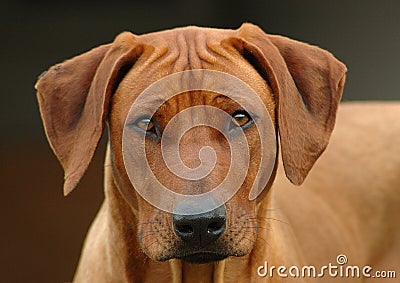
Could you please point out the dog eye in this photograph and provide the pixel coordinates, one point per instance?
(147, 126)
(241, 119)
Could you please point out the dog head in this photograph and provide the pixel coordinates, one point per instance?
(298, 85)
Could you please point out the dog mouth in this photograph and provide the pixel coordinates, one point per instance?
(197, 255)
(203, 257)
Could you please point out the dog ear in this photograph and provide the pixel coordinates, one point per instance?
(74, 100)
(308, 84)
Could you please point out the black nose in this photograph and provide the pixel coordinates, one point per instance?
(199, 229)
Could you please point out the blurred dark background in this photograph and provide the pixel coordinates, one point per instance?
(42, 232)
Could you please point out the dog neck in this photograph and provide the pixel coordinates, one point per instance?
(186, 272)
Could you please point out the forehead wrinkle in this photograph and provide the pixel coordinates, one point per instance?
(190, 49)
(183, 53)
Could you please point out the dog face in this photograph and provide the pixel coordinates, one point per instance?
(229, 230)
(299, 86)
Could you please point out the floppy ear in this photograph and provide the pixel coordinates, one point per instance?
(74, 99)
(308, 84)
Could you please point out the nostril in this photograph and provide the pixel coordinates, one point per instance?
(184, 229)
(216, 227)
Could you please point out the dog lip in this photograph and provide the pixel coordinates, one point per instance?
(203, 257)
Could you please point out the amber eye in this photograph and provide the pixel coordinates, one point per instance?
(240, 121)
(241, 118)
(147, 126)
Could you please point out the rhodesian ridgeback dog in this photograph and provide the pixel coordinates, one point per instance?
(342, 225)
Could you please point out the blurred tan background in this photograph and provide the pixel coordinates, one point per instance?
(41, 231)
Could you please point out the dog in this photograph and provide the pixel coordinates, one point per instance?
(345, 213)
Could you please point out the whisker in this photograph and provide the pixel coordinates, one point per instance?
(147, 223)
(275, 219)
(268, 209)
